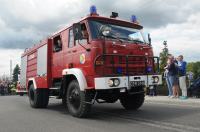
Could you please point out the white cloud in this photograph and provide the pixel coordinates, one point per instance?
(37, 11)
(182, 38)
(5, 56)
(30, 21)
(2, 24)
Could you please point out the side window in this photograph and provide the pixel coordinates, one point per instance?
(71, 39)
(85, 34)
(57, 44)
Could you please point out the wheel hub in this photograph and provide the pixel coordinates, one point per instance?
(74, 98)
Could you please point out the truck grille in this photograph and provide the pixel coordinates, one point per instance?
(115, 65)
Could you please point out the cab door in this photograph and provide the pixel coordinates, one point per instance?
(77, 50)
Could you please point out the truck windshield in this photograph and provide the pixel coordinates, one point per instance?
(117, 32)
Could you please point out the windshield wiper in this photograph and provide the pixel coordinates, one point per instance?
(114, 37)
(125, 38)
(121, 39)
(137, 41)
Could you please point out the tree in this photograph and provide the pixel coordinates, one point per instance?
(163, 62)
(163, 57)
(16, 72)
(190, 66)
(194, 67)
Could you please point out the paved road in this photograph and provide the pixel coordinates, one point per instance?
(17, 116)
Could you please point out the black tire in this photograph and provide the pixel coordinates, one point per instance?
(64, 101)
(21, 94)
(76, 101)
(38, 98)
(132, 102)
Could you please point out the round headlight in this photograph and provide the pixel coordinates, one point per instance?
(110, 83)
(156, 79)
(116, 82)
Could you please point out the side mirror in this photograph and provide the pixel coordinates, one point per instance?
(77, 31)
(149, 39)
(105, 30)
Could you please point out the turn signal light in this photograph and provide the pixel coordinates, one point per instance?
(98, 63)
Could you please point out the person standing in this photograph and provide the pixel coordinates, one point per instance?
(173, 76)
(169, 86)
(182, 76)
(1, 88)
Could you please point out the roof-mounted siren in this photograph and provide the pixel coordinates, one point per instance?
(134, 19)
(114, 15)
(93, 11)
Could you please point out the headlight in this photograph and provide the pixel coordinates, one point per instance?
(113, 82)
(110, 83)
(116, 82)
(155, 79)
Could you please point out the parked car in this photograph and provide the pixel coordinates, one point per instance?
(194, 89)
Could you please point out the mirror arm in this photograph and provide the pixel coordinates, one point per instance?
(150, 42)
(149, 38)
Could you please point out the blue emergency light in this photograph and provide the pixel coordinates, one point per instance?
(149, 69)
(119, 70)
(133, 18)
(93, 9)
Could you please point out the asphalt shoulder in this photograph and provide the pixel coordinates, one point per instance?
(172, 101)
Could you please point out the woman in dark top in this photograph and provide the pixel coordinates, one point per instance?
(173, 76)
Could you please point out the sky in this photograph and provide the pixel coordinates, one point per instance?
(23, 23)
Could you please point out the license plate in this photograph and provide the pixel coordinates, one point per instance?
(137, 83)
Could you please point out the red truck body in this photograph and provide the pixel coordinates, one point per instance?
(102, 68)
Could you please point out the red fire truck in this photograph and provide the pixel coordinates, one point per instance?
(98, 59)
(20, 91)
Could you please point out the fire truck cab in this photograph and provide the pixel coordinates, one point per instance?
(97, 59)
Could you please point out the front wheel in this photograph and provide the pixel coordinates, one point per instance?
(77, 101)
(38, 98)
(132, 102)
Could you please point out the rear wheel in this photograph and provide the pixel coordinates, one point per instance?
(132, 102)
(21, 94)
(38, 98)
(76, 101)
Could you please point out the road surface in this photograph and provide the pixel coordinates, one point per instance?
(17, 116)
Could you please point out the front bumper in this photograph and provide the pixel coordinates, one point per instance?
(127, 82)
